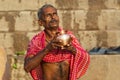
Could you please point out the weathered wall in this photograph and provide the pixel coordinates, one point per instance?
(102, 67)
(94, 22)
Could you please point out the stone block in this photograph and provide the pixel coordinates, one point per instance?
(26, 21)
(65, 19)
(102, 39)
(103, 67)
(73, 19)
(103, 4)
(20, 41)
(113, 67)
(42, 2)
(96, 4)
(78, 20)
(17, 5)
(113, 38)
(109, 20)
(7, 21)
(112, 4)
(19, 21)
(88, 39)
(77, 4)
(3, 24)
(6, 41)
(92, 19)
(64, 4)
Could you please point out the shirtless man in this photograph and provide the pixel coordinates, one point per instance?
(59, 70)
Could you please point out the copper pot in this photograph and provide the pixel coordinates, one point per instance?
(65, 38)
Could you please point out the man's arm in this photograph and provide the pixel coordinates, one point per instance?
(33, 61)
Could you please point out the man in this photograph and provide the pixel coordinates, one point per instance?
(47, 59)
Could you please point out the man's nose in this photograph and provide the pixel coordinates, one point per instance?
(52, 16)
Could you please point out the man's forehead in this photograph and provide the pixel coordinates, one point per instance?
(49, 10)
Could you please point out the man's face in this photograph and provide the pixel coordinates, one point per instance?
(50, 18)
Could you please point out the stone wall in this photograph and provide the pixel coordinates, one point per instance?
(102, 67)
(94, 22)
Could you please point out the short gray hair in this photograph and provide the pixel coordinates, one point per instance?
(40, 10)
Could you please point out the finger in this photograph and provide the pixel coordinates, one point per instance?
(55, 46)
(68, 45)
(57, 41)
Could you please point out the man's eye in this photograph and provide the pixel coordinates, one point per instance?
(48, 15)
(54, 13)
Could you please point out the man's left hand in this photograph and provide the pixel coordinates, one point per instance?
(70, 48)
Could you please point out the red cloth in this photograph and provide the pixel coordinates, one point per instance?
(78, 63)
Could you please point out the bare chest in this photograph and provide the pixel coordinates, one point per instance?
(55, 71)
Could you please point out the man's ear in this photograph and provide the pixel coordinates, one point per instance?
(40, 22)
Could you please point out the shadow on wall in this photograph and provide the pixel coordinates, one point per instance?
(100, 50)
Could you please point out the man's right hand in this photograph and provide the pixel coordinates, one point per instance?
(54, 44)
